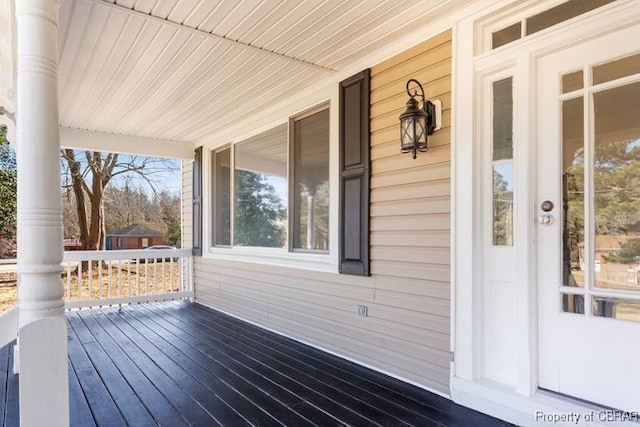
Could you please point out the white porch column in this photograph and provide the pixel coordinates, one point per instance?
(42, 336)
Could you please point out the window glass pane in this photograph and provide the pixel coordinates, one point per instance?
(561, 13)
(573, 193)
(503, 204)
(616, 308)
(222, 197)
(616, 177)
(572, 81)
(260, 174)
(616, 69)
(503, 119)
(573, 303)
(506, 35)
(311, 182)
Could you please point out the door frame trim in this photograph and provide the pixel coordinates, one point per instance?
(467, 383)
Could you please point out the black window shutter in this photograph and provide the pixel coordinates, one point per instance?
(354, 174)
(197, 203)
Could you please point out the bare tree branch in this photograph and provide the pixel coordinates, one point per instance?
(90, 176)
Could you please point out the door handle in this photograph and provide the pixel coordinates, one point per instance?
(546, 219)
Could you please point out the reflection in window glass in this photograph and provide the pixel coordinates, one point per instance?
(260, 177)
(616, 308)
(572, 81)
(506, 35)
(616, 182)
(503, 119)
(573, 303)
(561, 13)
(616, 69)
(222, 197)
(502, 171)
(573, 193)
(503, 204)
(311, 182)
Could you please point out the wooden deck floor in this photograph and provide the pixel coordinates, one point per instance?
(178, 364)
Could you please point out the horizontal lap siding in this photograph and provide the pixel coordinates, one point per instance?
(407, 330)
(320, 308)
(410, 202)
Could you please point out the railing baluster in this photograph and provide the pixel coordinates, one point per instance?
(169, 280)
(173, 279)
(68, 281)
(90, 274)
(102, 293)
(119, 278)
(155, 276)
(163, 276)
(80, 281)
(129, 278)
(137, 276)
(109, 272)
(146, 276)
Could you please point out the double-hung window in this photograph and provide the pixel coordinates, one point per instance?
(272, 189)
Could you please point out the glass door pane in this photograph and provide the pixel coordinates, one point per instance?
(573, 243)
(616, 178)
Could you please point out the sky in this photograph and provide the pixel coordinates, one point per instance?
(165, 174)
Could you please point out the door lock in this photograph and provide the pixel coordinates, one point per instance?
(546, 219)
(547, 206)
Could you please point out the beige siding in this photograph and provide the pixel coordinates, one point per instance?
(407, 330)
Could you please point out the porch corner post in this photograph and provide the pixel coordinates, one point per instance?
(42, 335)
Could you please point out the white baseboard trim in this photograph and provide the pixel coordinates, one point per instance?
(541, 409)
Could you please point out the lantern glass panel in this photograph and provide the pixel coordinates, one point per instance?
(421, 133)
(408, 133)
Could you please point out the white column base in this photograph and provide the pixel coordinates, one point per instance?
(44, 386)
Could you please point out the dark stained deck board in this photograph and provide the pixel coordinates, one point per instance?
(79, 411)
(307, 378)
(4, 375)
(126, 400)
(217, 411)
(115, 373)
(11, 408)
(97, 396)
(276, 385)
(274, 380)
(159, 406)
(369, 382)
(179, 363)
(341, 380)
(161, 380)
(258, 409)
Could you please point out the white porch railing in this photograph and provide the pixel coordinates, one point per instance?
(8, 326)
(103, 278)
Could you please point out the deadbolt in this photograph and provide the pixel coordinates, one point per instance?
(547, 206)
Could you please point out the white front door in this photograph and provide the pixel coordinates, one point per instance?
(588, 209)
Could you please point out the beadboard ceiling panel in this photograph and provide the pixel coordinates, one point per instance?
(184, 69)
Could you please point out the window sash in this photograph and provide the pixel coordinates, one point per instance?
(293, 175)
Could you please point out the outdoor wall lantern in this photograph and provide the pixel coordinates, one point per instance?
(416, 124)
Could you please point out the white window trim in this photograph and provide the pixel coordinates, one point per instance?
(301, 259)
(273, 256)
(519, 13)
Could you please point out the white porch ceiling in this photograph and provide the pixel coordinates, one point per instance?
(181, 70)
